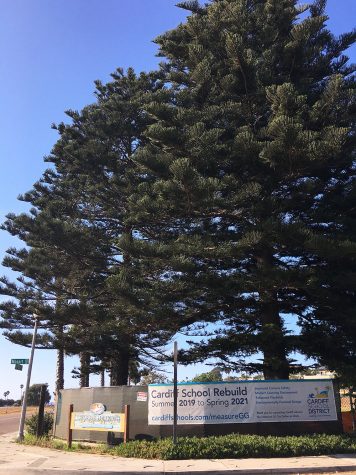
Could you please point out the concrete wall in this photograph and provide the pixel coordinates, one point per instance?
(115, 399)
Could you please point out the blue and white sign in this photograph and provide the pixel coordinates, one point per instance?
(243, 402)
(98, 418)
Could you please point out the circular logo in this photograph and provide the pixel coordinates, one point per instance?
(97, 408)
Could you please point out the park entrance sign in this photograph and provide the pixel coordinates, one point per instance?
(243, 402)
(98, 418)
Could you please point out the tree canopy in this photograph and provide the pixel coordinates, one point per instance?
(213, 197)
(246, 204)
(34, 393)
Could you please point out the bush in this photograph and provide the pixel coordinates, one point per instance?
(238, 446)
(218, 447)
(6, 402)
(31, 423)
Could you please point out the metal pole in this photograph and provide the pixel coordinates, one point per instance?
(175, 392)
(24, 402)
(352, 410)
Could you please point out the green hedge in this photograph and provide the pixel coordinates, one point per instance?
(220, 447)
(238, 446)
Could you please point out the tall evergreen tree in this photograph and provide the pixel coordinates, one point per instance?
(246, 172)
(215, 194)
(77, 217)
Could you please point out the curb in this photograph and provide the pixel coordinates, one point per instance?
(284, 471)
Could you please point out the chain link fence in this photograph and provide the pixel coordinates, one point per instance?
(348, 406)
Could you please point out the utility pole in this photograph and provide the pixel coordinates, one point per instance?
(175, 392)
(24, 402)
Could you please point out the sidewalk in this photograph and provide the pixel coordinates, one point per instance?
(18, 459)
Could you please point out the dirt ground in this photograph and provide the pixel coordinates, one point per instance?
(15, 410)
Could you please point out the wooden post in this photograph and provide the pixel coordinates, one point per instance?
(70, 431)
(39, 430)
(127, 424)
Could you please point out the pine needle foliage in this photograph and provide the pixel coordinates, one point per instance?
(215, 197)
(248, 168)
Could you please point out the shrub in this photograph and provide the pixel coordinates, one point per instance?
(218, 447)
(31, 423)
(238, 446)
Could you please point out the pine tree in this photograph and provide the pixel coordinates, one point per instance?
(72, 233)
(49, 281)
(215, 196)
(94, 154)
(238, 211)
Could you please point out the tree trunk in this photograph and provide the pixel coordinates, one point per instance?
(102, 378)
(84, 358)
(275, 362)
(272, 336)
(120, 368)
(59, 334)
(60, 370)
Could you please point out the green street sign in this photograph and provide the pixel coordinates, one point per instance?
(19, 361)
(18, 367)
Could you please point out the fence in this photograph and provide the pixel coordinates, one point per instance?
(114, 398)
(348, 409)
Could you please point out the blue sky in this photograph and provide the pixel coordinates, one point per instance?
(51, 51)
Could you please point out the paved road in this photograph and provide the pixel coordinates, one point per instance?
(9, 423)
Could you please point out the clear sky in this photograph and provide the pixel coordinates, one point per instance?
(51, 51)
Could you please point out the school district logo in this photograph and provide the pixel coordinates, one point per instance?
(318, 402)
(324, 393)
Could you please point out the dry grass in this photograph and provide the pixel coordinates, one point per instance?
(15, 410)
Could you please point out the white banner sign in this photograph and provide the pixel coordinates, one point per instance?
(243, 401)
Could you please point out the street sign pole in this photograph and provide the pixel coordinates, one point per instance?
(24, 401)
(175, 392)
